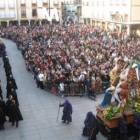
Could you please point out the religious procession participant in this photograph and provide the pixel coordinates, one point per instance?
(67, 112)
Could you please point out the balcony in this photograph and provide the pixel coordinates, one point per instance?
(34, 4)
(7, 16)
(119, 17)
(2, 5)
(23, 5)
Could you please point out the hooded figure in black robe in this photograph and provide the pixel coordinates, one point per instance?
(136, 125)
(1, 92)
(8, 104)
(3, 106)
(14, 114)
(10, 78)
(9, 88)
(2, 119)
(14, 95)
(90, 128)
(67, 112)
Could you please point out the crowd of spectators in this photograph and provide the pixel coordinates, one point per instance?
(78, 56)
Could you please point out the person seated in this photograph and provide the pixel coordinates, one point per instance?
(91, 93)
(90, 126)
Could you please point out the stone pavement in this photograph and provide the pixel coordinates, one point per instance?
(39, 108)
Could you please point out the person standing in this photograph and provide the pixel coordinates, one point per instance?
(8, 104)
(62, 88)
(14, 114)
(1, 92)
(67, 112)
(2, 119)
(3, 106)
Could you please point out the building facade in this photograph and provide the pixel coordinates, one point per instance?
(28, 11)
(112, 14)
(8, 11)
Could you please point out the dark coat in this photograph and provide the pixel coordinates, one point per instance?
(67, 111)
(3, 106)
(1, 92)
(2, 117)
(8, 104)
(13, 81)
(14, 113)
(15, 97)
(9, 87)
(90, 128)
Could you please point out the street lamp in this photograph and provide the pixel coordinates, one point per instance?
(49, 16)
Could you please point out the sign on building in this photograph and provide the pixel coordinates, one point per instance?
(53, 14)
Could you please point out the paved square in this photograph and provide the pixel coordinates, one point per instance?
(39, 108)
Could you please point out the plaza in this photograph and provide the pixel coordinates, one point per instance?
(40, 108)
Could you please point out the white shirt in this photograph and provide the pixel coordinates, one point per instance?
(40, 77)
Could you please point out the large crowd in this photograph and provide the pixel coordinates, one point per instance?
(78, 56)
(72, 55)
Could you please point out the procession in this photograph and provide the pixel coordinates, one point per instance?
(84, 61)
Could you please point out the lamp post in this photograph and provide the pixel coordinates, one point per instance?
(49, 16)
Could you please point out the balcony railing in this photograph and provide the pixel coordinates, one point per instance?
(78, 2)
(6, 16)
(119, 17)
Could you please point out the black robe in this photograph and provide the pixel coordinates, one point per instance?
(2, 117)
(15, 97)
(1, 92)
(13, 81)
(3, 106)
(9, 87)
(14, 114)
(8, 104)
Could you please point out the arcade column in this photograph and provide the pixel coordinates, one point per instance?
(29, 22)
(19, 22)
(7, 23)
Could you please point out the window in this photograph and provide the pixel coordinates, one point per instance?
(2, 4)
(2, 14)
(34, 13)
(23, 13)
